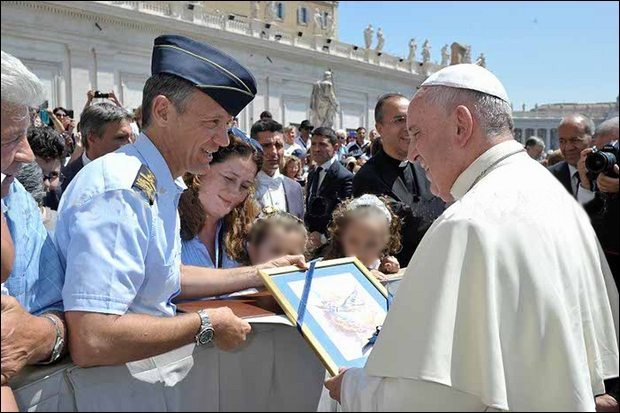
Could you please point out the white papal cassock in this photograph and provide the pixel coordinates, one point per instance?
(508, 303)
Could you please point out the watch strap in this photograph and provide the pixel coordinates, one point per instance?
(59, 343)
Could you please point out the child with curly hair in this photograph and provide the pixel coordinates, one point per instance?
(366, 228)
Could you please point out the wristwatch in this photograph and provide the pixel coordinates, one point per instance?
(206, 333)
(59, 344)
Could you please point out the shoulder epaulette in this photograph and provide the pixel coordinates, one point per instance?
(146, 183)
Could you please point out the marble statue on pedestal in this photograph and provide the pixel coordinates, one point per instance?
(380, 40)
(467, 56)
(445, 55)
(318, 21)
(368, 32)
(330, 27)
(413, 46)
(323, 102)
(426, 52)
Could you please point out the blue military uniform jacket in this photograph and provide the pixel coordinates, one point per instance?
(118, 234)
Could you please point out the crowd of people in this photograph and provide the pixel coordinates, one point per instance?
(108, 223)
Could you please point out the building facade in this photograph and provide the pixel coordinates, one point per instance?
(78, 46)
(543, 120)
(292, 16)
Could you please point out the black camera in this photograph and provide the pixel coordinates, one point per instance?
(98, 94)
(602, 160)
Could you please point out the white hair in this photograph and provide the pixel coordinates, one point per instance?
(579, 119)
(609, 127)
(19, 85)
(341, 132)
(494, 114)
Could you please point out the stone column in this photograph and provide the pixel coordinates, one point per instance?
(83, 75)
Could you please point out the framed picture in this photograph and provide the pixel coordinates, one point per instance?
(345, 305)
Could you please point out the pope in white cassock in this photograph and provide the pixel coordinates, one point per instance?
(508, 302)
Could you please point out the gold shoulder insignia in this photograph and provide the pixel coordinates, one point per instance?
(146, 183)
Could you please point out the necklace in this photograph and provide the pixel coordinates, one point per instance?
(490, 167)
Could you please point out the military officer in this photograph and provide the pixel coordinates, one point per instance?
(118, 229)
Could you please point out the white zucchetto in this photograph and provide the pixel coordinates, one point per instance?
(468, 76)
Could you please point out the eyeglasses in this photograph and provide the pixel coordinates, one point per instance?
(61, 115)
(53, 175)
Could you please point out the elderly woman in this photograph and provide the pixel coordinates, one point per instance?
(218, 207)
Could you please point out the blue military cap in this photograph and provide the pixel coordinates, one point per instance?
(215, 73)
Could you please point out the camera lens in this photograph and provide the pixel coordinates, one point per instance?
(599, 161)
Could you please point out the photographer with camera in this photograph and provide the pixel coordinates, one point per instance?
(575, 136)
(95, 94)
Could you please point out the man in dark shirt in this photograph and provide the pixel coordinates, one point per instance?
(388, 173)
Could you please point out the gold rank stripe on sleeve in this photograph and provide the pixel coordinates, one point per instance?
(146, 182)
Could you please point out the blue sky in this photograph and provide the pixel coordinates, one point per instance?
(543, 52)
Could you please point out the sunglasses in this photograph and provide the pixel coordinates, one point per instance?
(62, 115)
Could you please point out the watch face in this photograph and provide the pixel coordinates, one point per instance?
(206, 336)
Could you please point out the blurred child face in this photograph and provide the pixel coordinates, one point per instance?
(278, 243)
(365, 237)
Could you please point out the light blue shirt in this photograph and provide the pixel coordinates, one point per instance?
(37, 277)
(121, 254)
(195, 252)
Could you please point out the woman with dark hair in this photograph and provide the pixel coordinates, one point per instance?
(64, 116)
(218, 207)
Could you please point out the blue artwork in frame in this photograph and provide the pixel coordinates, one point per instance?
(344, 307)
